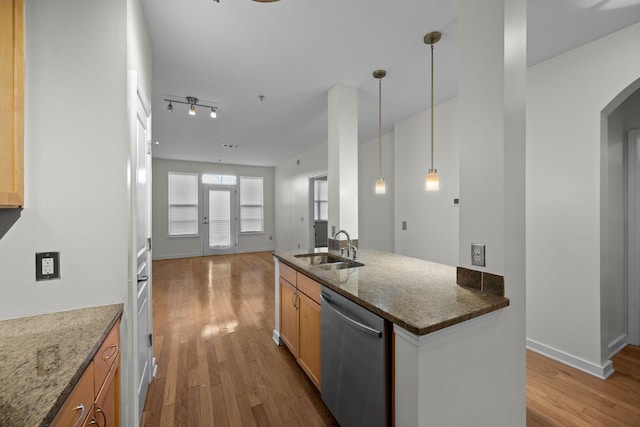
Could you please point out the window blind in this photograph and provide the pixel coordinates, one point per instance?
(251, 205)
(183, 204)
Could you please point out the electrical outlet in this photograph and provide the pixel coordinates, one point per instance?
(404, 225)
(477, 254)
(47, 265)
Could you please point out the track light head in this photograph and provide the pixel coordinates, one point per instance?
(214, 112)
(192, 110)
(170, 107)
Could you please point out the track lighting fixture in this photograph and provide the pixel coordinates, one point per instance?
(192, 102)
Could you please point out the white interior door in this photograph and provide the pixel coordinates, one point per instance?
(219, 222)
(142, 196)
(633, 239)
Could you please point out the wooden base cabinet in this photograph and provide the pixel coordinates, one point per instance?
(300, 319)
(289, 315)
(95, 400)
(309, 342)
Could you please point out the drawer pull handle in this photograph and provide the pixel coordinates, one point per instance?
(115, 351)
(104, 416)
(81, 407)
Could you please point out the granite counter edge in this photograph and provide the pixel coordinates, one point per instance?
(502, 303)
(55, 408)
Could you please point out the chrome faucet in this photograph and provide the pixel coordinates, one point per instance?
(349, 245)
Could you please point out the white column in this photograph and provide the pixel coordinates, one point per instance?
(343, 160)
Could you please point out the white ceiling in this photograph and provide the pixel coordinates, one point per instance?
(293, 51)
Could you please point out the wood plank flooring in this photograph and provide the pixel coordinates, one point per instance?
(213, 318)
(558, 395)
(217, 365)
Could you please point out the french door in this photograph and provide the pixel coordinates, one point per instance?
(219, 222)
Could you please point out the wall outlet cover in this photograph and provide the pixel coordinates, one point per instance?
(47, 265)
(477, 255)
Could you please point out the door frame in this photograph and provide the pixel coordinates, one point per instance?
(206, 250)
(633, 236)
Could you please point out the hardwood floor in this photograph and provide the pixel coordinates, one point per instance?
(558, 395)
(213, 320)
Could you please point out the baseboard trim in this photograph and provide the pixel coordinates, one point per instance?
(187, 255)
(603, 372)
(276, 338)
(618, 344)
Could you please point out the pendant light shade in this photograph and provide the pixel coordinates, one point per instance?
(432, 182)
(381, 187)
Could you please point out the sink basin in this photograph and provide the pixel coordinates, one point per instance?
(340, 265)
(328, 262)
(317, 259)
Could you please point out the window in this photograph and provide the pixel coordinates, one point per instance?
(183, 204)
(320, 199)
(209, 178)
(251, 205)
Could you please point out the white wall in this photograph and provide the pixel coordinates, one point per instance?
(177, 247)
(565, 97)
(432, 218)
(624, 118)
(292, 197)
(375, 211)
(76, 152)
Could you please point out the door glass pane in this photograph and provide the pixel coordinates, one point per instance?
(219, 218)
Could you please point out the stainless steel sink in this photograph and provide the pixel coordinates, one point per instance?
(340, 265)
(328, 262)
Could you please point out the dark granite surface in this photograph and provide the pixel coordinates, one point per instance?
(420, 296)
(42, 358)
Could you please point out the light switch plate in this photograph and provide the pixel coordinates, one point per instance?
(47, 265)
(477, 254)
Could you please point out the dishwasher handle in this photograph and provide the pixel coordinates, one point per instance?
(365, 328)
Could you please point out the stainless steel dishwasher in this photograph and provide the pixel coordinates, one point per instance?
(355, 362)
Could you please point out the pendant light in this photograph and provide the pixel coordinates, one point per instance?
(381, 187)
(432, 181)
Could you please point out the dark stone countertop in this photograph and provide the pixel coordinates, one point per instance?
(419, 296)
(43, 357)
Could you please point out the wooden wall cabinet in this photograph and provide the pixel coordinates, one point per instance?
(300, 320)
(95, 400)
(11, 103)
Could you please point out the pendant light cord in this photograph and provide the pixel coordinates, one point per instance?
(380, 124)
(432, 106)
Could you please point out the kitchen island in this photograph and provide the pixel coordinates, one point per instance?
(429, 310)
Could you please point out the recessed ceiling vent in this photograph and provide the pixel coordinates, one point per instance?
(230, 146)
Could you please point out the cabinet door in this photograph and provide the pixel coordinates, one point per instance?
(107, 403)
(78, 405)
(11, 103)
(309, 344)
(289, 315)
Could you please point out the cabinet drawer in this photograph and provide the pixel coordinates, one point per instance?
(309, 286)
(288, 273)
(79, 404)
(106, 355)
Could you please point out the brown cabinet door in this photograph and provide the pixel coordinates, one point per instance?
(309, 343)
(11, 103)
(289, 315)
(78, 405)
(107, 404)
